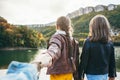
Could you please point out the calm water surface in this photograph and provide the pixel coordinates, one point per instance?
(6, 56)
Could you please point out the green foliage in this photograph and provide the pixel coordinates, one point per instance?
(23, 36)
(47, 31)
(81, 24)
(12, 36)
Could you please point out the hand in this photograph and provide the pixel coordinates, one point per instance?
(111, 78)
(44, 60)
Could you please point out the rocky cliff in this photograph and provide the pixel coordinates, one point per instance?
(87, 10)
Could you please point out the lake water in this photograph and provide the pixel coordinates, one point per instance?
(6, 56)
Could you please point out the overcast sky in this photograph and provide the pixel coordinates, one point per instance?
(43, 11)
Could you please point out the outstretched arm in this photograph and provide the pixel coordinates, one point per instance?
(53, 53)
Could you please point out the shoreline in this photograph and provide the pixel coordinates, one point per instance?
(17, 48)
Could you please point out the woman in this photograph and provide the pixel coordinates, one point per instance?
(98, 58)
(62, 55)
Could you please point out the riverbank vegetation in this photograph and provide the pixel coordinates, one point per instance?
(12, 36)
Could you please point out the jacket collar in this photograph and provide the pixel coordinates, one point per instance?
(63, 32)
(60, 32)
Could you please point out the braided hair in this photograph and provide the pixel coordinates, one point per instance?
(64, 24)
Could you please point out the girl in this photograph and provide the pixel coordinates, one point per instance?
(98, 58)
(62, 55)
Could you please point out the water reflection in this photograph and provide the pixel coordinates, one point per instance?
(27, 55)
(16, 55)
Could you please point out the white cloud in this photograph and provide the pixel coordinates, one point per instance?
(43, 11)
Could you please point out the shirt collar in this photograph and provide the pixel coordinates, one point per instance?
(60, 32)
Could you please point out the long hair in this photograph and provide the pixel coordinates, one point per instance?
(99, 29)
(64, 24)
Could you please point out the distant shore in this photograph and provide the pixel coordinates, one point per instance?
(16, 48)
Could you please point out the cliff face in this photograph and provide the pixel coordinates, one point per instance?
(87, 10)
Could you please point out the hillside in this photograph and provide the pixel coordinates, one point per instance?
(80, 23)
(13, 37)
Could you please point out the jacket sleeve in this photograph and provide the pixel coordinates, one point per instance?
(54, 48)
(112, 65)
(83, 59)
(75, 74)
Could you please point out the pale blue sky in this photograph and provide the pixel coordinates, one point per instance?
(43, 11)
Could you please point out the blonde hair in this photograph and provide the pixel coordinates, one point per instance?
(64, 24)
(99, 29)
